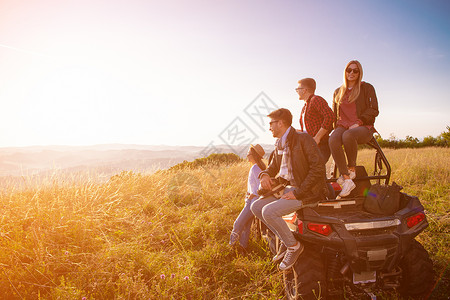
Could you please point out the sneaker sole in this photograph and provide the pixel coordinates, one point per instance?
(278, 257)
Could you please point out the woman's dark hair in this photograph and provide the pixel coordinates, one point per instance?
(258, 159)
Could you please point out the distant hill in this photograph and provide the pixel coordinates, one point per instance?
(99, 160)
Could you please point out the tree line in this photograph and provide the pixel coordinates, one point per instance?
(443, 140)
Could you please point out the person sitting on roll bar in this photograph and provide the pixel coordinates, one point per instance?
(355, 106)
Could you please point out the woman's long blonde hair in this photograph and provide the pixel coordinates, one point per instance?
(343, 87)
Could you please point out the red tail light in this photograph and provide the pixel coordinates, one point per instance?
(300, 226)
(336, 187)
(416, 219)
(323, 229)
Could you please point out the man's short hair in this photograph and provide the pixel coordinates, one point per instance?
(308, 83)
(282, 114)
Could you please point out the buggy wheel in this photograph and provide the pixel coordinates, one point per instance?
(418, 275)
(307, 278)
(256, 228)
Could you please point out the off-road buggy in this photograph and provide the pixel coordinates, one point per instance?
(351, 253)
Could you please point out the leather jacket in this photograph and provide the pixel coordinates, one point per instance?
(308, 167)
(366, 104)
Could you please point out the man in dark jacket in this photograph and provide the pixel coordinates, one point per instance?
(298, 164)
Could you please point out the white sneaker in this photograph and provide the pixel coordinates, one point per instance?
(347, 187)
(291, 256)
(341, 179)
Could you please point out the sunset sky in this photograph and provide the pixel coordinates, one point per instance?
(189, 72)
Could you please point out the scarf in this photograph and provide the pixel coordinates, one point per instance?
(285, 171)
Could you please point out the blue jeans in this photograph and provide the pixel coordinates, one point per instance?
(270, 211)
(243, 224)
(324, 149)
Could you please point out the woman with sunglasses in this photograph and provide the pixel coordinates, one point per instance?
(243, 223)
(355, 106)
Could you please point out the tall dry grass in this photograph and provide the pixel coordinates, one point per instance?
(160, 236)
(165, 235)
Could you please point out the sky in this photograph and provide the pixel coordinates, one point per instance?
(204, 73)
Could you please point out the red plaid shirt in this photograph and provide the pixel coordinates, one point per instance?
(317, 114)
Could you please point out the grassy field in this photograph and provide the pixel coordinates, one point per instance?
(165, 235)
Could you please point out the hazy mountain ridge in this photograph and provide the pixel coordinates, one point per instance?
(34, 160)
(106, 160)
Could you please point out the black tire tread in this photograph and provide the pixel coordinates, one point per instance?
(311, 276)
(418, 273)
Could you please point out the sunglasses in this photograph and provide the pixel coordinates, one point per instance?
(349, 70)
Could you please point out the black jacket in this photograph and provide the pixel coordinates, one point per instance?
(366, 104)
(308, 167)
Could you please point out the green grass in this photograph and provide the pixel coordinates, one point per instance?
(165, 235)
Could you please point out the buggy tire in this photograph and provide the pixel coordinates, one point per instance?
(418, 275)
(307, 278)
(256, 229)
